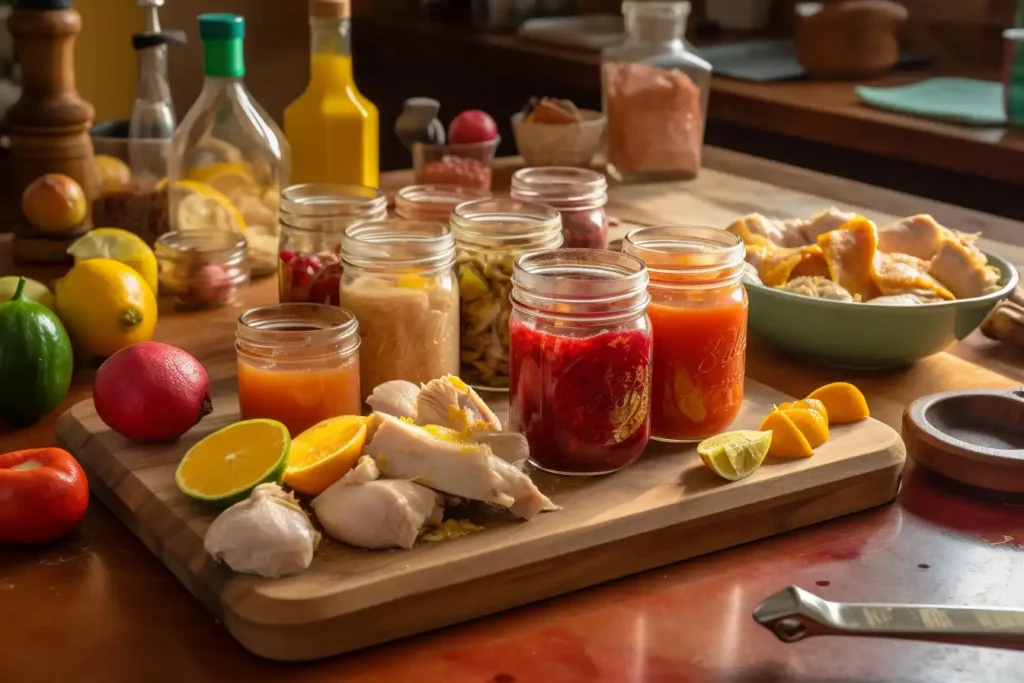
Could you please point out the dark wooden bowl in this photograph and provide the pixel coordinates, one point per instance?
(974, 437)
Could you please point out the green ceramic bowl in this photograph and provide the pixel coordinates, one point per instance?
(866, 336)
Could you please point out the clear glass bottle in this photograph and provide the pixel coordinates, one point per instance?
(655, 94)
(399, 281)
(433, 202)
(579, 196)
(333, 129)
(580, 385)
(152, 124)
(228, 160)
(202, 269)
(698, 313)
(313, 219)
(490, 234)
(298, 364)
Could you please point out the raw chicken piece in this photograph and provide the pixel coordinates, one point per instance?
(754, 229)
(396, 397)
(817, 287)
(824, 221)
(782, 264)
(363, 510)
(510, 447)
(266, 534)
(850, 255)
(445, 460)
(451, 403)
(918, 236)
(903, 274)
(963, 269)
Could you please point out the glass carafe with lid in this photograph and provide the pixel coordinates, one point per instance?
(228, 159)
(655, 95)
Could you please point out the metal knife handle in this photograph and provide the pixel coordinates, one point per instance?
(794, 614)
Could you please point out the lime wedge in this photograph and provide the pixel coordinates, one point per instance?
(227, 465)
(735, 455)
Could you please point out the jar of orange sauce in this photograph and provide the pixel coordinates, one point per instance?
(298, 363)
(698, 315)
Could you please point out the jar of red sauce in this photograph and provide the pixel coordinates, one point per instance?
(698, 314)
(577, 194)
(433, 203)
(298, 364)
(313, 218)
(580, 359)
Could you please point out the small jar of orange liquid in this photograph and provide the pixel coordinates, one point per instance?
(298, 364)
(698, 315)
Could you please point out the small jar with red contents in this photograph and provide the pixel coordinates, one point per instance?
(698, 315)
(433, 203)
(580, 359)
(576, 193)
(313, 219)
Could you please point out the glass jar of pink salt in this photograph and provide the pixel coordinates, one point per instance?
(655, 95)
(580, 359)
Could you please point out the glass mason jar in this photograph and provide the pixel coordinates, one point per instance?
(698, 314)
(399, 281)
(489, 235)
(433, 202)
(298, 364)
(655, 95)
(202, 269)
(313, 220)
(580, 359)
(579, 196)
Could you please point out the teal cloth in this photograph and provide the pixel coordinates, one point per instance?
(960, 100)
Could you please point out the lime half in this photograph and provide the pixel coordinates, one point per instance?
(735, 455)
(227, 465)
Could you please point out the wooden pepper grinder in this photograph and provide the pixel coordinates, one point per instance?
(49, 125)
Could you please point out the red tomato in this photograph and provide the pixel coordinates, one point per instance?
(472, 126)
(43, 495)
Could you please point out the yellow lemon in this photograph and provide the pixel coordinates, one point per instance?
(197, 206)
(322, 454)
(119, 245)
(105, 306)
(203, 172)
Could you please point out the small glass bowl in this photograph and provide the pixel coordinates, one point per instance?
(202, 269)
(467, 165)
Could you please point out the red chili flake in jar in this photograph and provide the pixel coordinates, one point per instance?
(454, 170)
(580, 359)
(579, 196)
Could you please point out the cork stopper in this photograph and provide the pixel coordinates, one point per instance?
(329, 9)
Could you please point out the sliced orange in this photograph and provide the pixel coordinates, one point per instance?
(843, 402)
(808, 403)
(322, 454)
(787, 439)
(812, 424)
(227, 465)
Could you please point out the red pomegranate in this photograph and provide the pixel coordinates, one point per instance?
(151, 392)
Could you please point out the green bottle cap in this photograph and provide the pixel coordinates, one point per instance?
(222, 36)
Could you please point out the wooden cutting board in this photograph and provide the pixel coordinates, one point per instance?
(665, 508)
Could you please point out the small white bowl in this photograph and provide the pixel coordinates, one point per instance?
(559, 144)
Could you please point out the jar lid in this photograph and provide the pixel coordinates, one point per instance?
(556, 185)
(329, 9)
